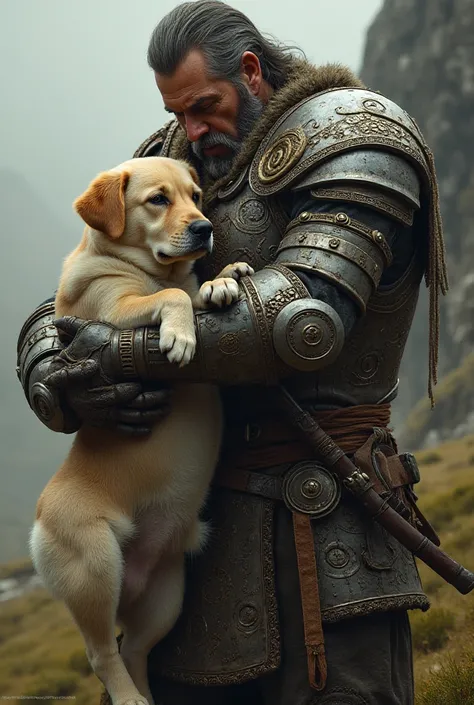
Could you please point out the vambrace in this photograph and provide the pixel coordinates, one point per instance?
(273, 329)
(38, 344)
(339, 249)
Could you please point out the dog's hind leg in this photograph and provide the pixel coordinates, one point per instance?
(149, 619)
(85, 572)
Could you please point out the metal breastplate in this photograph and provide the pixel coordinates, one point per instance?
(247, 228)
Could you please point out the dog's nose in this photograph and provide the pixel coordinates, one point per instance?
(201, 228)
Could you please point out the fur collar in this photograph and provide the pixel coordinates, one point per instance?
(303, 80)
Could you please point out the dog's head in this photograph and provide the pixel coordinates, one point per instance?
(151, 203)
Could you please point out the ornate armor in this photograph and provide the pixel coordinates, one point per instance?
(336, 208)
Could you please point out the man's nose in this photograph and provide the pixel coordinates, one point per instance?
(195, 129)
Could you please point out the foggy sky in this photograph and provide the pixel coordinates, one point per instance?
(77, 97)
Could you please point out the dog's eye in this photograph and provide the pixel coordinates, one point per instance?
(158, 200)
(196, 197)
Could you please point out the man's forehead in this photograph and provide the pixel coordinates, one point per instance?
(190, 83)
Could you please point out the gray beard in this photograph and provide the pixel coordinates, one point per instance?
(250, 109)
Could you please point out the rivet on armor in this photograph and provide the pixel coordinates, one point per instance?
(305, 215)
(378, 236)
(334, 243)
(343, 218)
(311, 488)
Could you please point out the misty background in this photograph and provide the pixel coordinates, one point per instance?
(78, 97)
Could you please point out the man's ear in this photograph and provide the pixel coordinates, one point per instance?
(102, 206)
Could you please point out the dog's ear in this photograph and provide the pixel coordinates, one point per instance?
(102, 206)
(189, 167)
(194, 174)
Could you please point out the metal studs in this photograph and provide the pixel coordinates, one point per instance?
(311, 488)
(343, 218)
(334, 243)
(377, 235)
(305, 216)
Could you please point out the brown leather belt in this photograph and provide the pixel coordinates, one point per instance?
(270, 486)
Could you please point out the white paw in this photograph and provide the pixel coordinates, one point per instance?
(178, 346)
(237, 270)
(220, 292)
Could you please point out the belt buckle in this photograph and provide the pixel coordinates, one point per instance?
(310, 488)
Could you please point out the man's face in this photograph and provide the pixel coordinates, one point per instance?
(216, 114)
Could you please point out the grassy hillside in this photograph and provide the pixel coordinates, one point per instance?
(444, 636)
(41, 653)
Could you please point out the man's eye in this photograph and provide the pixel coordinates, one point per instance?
(209, 107)
(196, 197)
(158, 200)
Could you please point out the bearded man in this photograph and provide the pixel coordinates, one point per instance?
(328, 190)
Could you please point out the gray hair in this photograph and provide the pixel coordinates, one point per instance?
(223, 34)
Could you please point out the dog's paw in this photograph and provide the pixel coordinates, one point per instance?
(236, 271)
(219, 292)
(178, 346)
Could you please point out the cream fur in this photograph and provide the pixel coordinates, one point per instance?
(113, 524)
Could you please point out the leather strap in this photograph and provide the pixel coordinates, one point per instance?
(309, 588)
(268, 486)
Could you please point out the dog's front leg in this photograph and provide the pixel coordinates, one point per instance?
(223, 290)
(177, 334)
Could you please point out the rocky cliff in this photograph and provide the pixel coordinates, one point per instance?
(420, 53)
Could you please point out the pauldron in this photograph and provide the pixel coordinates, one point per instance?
(348, 145)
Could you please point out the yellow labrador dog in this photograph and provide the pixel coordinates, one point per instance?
(113, 525)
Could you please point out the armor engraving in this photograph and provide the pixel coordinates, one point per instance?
(341, 561)
(346, 120)
(307, 333)
(282, 155)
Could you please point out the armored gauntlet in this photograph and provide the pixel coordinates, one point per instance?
(67, 386)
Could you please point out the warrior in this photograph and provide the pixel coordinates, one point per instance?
(328, 190)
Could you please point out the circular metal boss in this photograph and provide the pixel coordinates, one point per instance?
(45, 404)
(310, 488)
(306, 332)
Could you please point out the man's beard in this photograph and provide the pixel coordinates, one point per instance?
(250, 109)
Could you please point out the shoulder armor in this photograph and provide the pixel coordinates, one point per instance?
(344, 133)
(367, 167)
(153, 145)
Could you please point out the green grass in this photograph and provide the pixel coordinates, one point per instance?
(431, 630)
(451, 684)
